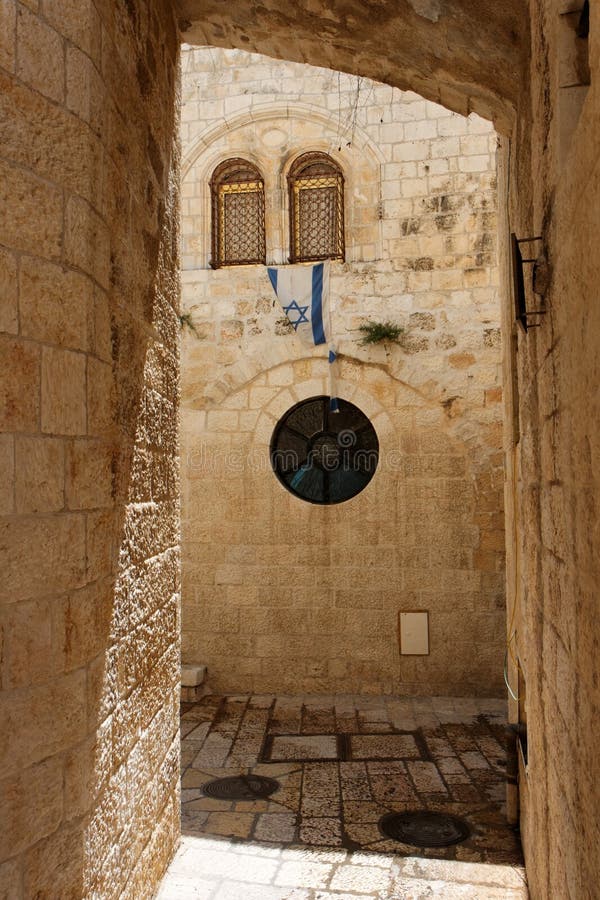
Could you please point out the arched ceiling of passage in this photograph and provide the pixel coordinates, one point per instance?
(468, 55)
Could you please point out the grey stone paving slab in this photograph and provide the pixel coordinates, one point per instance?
(426, 777)
(321, 832)
(303, 747)
(384, 746)
(279, 828)
(361, 878)
(317, 837)
(305, 873)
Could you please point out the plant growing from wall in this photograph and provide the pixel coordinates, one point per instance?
(380, 333)
(186, 321)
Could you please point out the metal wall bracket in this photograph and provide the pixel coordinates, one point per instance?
(522, 314)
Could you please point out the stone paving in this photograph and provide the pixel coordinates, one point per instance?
(343, 762)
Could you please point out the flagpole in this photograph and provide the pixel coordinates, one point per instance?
(332, 358)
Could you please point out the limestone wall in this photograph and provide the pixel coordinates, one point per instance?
(465, 59)
(279, 594)
(557, 454)
(89, 620)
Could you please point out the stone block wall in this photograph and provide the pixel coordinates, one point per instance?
(279, 594)
(555, 192)
(89, 622)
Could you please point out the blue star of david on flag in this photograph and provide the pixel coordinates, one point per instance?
(301, 310)
(303, 292)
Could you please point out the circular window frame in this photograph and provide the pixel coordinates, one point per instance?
(329, 450)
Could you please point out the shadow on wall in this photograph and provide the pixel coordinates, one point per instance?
(133, 754)
(134, 690)
(89, 741)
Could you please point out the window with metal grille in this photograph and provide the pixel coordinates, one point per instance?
(238, 214)
(316, 188)
(322, 456)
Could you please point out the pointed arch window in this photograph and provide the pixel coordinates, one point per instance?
(316, 191)
(238, 214)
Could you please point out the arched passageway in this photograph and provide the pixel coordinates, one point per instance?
(468, 59)
(89, 333)
(299, 608)
(534, 71)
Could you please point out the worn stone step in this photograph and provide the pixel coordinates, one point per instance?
(193, 682)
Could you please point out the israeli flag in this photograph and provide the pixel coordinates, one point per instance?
(303, 292)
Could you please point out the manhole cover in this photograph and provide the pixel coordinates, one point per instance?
(241, 787)
(421, 828)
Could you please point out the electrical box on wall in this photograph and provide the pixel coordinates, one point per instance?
(414, 633)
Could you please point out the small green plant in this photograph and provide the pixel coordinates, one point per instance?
(380, 333)
(186, 321)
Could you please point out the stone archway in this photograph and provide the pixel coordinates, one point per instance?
(468, 61)
(87, 175)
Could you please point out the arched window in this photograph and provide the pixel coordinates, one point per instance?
(316, 187)
(238, 214)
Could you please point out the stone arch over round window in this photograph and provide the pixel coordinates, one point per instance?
(238, 214)
(316, 197)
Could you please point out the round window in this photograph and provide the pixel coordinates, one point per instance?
(323, 456)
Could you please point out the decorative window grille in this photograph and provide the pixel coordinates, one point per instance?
(322, 456)
(238, 214)
(316, 188)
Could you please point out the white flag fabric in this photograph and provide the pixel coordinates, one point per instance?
(303, 292)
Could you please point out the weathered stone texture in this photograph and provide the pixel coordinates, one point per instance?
(40, 468)
(30, 213)
(25, 819)
(55, 304)
(556, 467)
(40, 58)
(49, 140)
(8, 291)
(7, 474)
(8, 24)
(54, 867)
(472, 57)
(464, 61)
(87, 240)
(87, 645)
(19, 385)
(40, 542)
(63, 392)
(277, 591)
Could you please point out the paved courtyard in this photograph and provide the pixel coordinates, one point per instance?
(342, 763)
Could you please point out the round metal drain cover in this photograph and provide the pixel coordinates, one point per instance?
(422, 828)
(241, 787)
